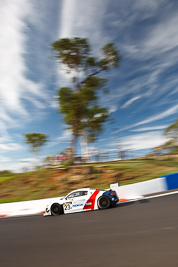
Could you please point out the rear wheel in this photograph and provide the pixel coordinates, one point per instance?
(56, 209)
(104, 202)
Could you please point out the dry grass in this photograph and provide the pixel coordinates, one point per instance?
(46, 183)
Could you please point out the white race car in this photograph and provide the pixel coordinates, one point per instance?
(82, 200)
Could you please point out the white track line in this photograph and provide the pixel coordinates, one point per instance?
(164, 194)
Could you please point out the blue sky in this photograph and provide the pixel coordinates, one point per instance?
(143, 90)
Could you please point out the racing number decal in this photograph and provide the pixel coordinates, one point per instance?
(67, 206)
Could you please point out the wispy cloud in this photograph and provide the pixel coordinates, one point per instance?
(151, 128)
(12, 71)
(23, 81)
(130, 101)
(144, 141)
(160, 116)
(64, 137)
(81, 18)
(4, 159)
(113, 108)
(141, 141)
(10, 147)
(149, 55)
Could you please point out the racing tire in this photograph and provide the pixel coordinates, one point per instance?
(104, 202)
(56, 209)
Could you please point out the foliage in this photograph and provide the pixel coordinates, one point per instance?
(67, 163)
(79, 103)
(172, 132)
(35, 140)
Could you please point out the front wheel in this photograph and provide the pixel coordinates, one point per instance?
(104, 202)
(56, 209)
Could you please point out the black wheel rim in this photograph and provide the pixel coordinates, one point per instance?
(55, 209)
(104, 202)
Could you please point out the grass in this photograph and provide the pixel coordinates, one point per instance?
(46, 183)
(6, 178)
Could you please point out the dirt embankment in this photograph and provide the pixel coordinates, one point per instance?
(53, 182)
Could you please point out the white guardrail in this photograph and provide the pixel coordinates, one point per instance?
(125, 193)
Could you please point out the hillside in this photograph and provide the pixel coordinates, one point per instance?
(53, 182)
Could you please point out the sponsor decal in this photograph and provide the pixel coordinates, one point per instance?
(88, 203)
(67, 203)
(77, 205)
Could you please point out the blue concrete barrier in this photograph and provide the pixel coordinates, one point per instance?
(171, 180)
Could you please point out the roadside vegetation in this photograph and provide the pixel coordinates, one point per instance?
(53, 182)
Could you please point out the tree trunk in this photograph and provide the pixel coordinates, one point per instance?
(84, 148)
(71, 155)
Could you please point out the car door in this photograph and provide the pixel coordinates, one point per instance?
(75, 201)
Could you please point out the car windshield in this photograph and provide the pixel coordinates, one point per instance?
(77, 194)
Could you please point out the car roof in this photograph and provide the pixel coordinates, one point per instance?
(82, 189)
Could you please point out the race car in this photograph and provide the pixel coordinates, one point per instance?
(84, 199)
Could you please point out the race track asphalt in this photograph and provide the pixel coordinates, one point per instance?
(142, 233)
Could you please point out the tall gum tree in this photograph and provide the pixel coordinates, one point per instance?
(79, 103)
